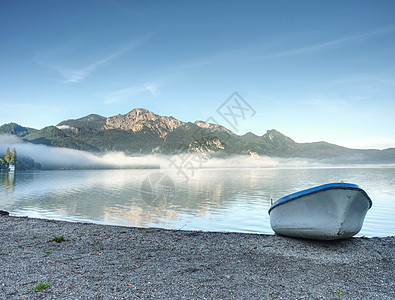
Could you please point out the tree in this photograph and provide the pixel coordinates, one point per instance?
(7, 156)
(3, 164)
(13, 157)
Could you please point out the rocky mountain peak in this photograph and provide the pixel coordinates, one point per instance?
(275, 135)
(140, 118)
(141, 113)
(213, 127)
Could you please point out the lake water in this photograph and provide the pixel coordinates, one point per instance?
(234, 200)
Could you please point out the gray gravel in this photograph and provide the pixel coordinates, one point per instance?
(113, 262)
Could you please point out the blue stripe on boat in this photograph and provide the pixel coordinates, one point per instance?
(316, 189)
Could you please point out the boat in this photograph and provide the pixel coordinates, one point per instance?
(326, 212)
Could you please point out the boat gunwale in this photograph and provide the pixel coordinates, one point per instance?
(320, 188)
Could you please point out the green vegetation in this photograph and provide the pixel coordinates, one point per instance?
(91, 133)
(3, 164)
(15, 129)
(58, 239)
(21, 162)
(41, 286)
(91, 121)
(26, 163)
(9, 159)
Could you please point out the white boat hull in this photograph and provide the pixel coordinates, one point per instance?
(336, 212)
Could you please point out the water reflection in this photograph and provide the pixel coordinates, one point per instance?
(214, 199)
(9, 182)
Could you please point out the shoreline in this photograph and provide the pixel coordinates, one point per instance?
(112, 262)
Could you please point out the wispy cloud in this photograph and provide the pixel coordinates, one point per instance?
(152, 88)
(372, 83)
(72, 75)
(322, 46)
(332, 105)
(120, 95)
(368, 87)
(75, 75)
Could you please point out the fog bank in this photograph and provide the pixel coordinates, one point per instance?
(54, 157)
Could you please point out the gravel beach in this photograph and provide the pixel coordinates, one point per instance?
(114, 262)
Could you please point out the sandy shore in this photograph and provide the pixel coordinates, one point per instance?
(112, 262)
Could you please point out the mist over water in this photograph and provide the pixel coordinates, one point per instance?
(65, 158)
(56, 157)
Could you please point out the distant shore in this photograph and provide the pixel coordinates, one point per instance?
(114, 262)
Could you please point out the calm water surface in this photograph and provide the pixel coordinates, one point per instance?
(213, 199)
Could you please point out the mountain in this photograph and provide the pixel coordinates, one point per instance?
(15, 129)
(143, 132)
(91, 121)
(141, 119)
(61, 136)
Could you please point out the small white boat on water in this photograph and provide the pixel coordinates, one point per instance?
(326, 212)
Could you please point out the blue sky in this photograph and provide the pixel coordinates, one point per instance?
(313, 70)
